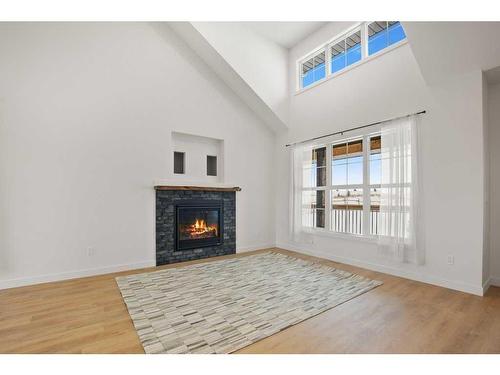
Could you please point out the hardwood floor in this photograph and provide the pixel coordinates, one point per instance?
(88, 316)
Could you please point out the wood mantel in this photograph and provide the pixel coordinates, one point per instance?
(197, 188)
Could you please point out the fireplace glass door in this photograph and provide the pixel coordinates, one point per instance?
(198, 225)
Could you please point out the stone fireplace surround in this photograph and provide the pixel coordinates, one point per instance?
(166, 199)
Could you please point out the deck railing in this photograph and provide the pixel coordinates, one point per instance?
(374, 220)
(344, 219)
(349, 219)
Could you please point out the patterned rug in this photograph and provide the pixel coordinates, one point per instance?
(225, 305)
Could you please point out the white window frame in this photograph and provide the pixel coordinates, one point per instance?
(360, 27)
(308, 57)
(347, 186)
(363, 27)
(318, 188)
(329, 187)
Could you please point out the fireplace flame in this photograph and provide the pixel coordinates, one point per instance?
(200, 228)
(200, 224)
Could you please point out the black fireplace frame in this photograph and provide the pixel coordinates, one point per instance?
(200, 242)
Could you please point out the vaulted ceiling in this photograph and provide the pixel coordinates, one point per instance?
(255, 68)
(285, 34)
(252, 57)
(447, 49)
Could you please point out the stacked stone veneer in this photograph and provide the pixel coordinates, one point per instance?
(165, 225)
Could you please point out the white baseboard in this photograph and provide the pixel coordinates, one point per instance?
(24, 281)
(495, 280)
(463, 287)
(244, 249)
(13, 283)
(450, 284)
(486, 285)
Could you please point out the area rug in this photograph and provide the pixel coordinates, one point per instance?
(225, 305)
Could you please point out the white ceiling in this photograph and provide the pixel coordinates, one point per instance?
(286, 34)
(446, 49)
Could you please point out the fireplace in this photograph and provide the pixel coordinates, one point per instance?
(194, 222)
(198, 224)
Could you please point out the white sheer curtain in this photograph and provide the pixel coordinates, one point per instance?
(300, 157)
(399, 216)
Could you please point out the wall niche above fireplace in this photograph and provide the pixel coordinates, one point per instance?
(197, 158)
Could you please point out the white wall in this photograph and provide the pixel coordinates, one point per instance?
(494, 149)
(86, 115)
(451, 141)
(259, 61)
(486, 183)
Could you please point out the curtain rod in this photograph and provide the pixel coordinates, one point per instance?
(356, 128)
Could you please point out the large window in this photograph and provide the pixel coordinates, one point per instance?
(358, 43)
(341, 186)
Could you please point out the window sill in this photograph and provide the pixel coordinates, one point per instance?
(343, 236)
(353, 66)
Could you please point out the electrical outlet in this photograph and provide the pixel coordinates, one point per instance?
(90, 251)
(451, 260)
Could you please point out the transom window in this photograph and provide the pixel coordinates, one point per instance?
(353, 46)
(341, 186)
(313, 69)
(345, 52)
(382, 34)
